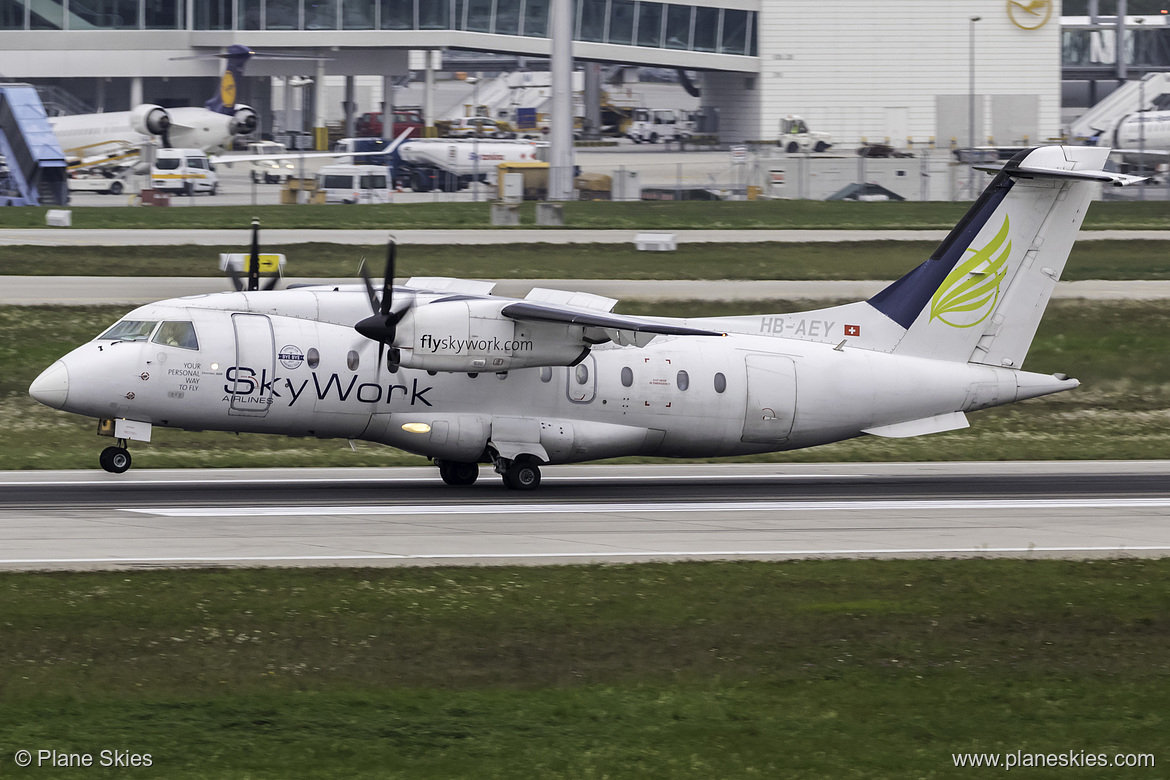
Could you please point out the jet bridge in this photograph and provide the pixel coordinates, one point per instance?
(34, 170)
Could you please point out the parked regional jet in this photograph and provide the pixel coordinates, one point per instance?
(1143, 138)
(442, 368)
(88, 136)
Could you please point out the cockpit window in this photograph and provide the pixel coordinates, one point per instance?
(130, 330)
(177, 334)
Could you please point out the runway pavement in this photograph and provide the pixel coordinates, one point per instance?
(273, 237)
(392, 517)
(135, 291)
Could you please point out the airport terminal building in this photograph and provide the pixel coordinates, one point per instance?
(904, 70)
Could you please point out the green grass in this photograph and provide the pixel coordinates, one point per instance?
(1119, 260)
(815, 669)
(683, 215)
(1119, 350)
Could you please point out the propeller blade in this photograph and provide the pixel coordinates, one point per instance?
(237, 282)
(388, 281)
(254, 258)
(370, 291)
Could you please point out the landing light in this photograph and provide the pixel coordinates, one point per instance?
(416, 428)
(215, 366)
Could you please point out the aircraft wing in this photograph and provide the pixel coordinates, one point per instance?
(619, 328)
(228, 159)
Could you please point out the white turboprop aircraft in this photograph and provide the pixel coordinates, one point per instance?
(445, 369)
(221, 118)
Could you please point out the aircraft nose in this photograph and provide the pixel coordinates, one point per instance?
(52, 387)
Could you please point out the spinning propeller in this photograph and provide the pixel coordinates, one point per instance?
(382, 325)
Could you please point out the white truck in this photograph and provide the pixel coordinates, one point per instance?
(651, 125)
(795, 137)
(451, 165)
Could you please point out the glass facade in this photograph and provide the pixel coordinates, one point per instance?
(623, 22)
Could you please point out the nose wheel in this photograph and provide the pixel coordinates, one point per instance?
(115, 460)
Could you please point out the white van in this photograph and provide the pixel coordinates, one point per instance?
(354, 184)
(274, 170)
(185, 171)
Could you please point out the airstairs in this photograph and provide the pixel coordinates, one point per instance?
(34, 165)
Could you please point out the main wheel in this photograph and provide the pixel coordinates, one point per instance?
(522, 476)
(115, 459)
(459, 473)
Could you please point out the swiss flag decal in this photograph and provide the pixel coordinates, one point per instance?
(852, 330)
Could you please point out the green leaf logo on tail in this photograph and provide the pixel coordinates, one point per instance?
(972, 288)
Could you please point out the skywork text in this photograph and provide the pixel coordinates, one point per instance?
(474, 346)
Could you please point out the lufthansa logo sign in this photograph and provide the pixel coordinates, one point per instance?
(227, 89)
(290, 357)
(1029, 14)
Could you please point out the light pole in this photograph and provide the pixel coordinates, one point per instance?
(475, 137)
(971, 87)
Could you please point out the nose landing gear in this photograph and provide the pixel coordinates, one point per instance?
(115, 460)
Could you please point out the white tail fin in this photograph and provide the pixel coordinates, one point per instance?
(980, 296)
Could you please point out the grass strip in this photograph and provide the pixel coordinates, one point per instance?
(1118, 260)
(1119, 350)
(644, 215)
(810, 669)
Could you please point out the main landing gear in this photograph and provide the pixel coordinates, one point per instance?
(517, 474)
(458, 473)
(115, 460)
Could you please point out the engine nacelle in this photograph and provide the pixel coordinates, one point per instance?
(150, 119)
(244, 120)
(473, 336)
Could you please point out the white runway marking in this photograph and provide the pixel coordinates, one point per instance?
(645, 554)
(101, 480)
(688, 507)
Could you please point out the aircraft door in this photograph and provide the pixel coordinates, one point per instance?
(582, 385)
(255, 368)
(771, 398)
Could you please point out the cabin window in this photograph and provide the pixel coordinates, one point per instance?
(683, 380)
(375, 181)
(581, 374)
(720, 383)
(167, 163)
(313, 357)
(352, 360)
(177, 334)
(627, 376)
(546, 373)
(130, 330)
